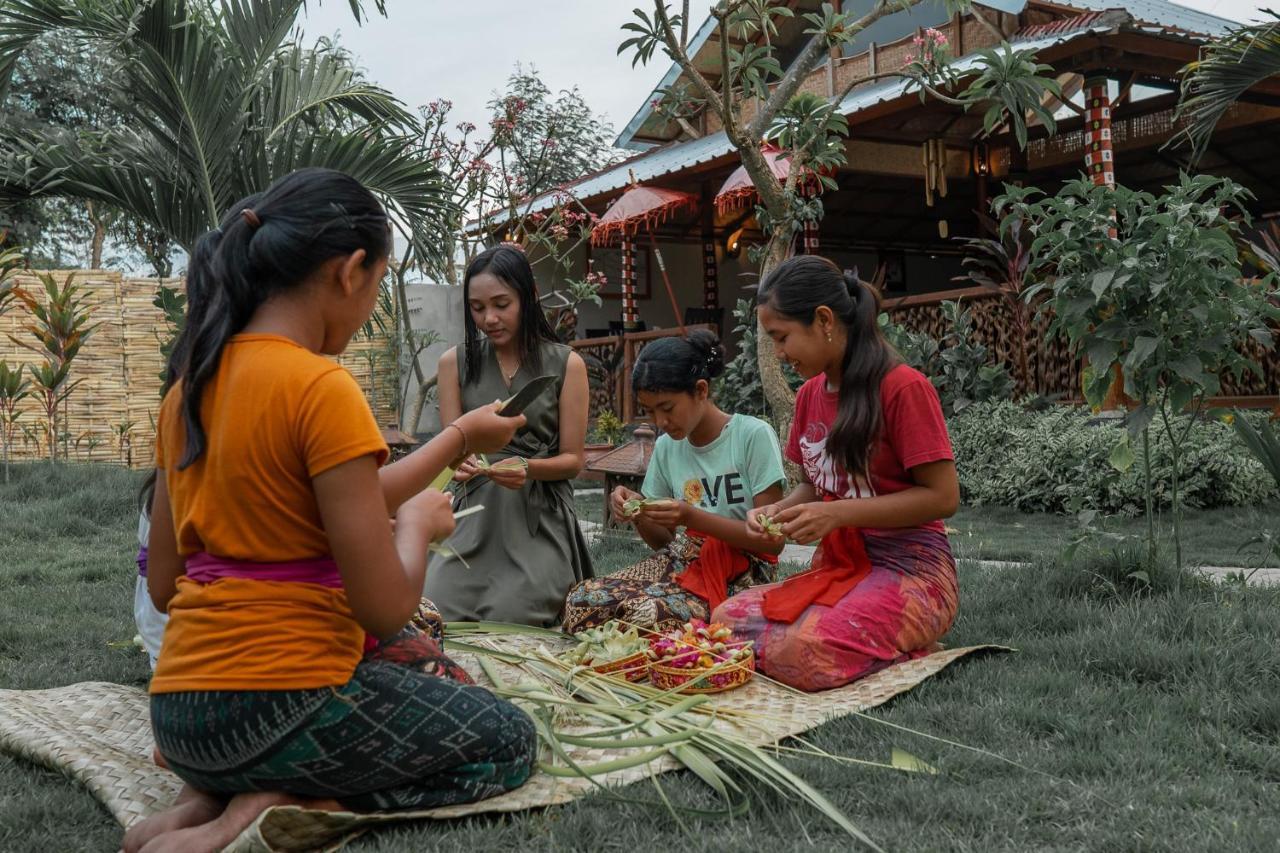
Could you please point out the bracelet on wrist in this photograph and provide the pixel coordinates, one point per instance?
(463, 435)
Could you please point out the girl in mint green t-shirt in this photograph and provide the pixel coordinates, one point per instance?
(708, 469)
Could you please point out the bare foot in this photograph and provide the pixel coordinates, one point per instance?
(215, 834)
(191, 808)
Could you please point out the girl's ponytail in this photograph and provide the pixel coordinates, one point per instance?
(796, 289)
(217, 266)
(867, 358)
(266, 244)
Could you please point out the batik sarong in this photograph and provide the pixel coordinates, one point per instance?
(898, 611)
(410, 730)
(648, 594)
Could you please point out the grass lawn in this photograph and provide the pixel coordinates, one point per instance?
(1210, 537)
(1141, 723)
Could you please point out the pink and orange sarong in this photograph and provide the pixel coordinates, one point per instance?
(896, 611)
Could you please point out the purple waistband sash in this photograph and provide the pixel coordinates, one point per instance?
(142, 562)
(206, 568)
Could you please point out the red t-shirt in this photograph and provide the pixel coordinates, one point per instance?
(913, 433)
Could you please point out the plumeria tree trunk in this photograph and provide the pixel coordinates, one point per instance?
(778, 395)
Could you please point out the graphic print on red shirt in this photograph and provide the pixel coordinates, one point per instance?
(913, 433)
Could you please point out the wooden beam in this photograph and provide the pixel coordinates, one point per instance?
(1125, 90)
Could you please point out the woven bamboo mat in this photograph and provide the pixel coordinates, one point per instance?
(99, 734)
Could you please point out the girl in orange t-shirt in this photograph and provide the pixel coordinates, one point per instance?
(287, 672)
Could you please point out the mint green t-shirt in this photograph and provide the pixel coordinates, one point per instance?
(724, 476)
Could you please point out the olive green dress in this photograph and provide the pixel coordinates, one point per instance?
(525, 550)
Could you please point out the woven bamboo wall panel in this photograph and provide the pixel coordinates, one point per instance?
(976, 36)
(850, 69)
(1050, 361)
(816, 83)
(110, 416)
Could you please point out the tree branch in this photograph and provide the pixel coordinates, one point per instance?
(677, 52)
(808, 61)
(727, 117)
(693, 132)
(853, 84)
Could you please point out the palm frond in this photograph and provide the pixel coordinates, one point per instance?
(25, 21)
(304, 82)
(1226, 70)
(221, 101)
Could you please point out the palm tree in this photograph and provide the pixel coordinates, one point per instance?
(1227, 69)
(222, 98)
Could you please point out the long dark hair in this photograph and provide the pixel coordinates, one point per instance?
(197, 292)
(676, 364)
(510, 265)
(265, 248)
(795, 290)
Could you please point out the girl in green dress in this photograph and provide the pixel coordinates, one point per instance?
(515, 560)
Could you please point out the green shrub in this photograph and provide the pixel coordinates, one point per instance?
(958, 366)
(1058, 461)
(739, 389)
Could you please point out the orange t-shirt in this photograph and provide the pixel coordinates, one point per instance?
(275, 415)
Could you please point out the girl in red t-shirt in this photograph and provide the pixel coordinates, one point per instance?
(878, 478)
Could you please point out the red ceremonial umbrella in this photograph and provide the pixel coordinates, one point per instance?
(639, 207)
(739, 191)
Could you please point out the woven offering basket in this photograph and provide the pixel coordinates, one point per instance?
(633, 667)
(738, 673)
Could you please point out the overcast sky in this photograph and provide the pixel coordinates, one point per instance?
(464, 50)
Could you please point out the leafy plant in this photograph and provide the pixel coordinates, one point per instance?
(10, 261)
(123, 432)
(609, 428)
(1010, 84)
(218, 99)
(13, 390)
(916, 348)
(60, 327)
(959, 367)
(1001, 264)
(1059, 461)
(739, 388)
(1150, 286)
(964, 373)
(1227, 68)
(1263, 442)
(561, 305)
(173, 305)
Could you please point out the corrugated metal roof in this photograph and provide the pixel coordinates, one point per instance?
(677, 156)
(1161, 13)
(625, 139)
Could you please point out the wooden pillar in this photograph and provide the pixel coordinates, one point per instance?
(810, 237)
(1099, 161)
(630, 317)
(1099, 155)
(710, 270)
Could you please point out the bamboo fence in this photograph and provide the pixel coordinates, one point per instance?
(110, 416)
